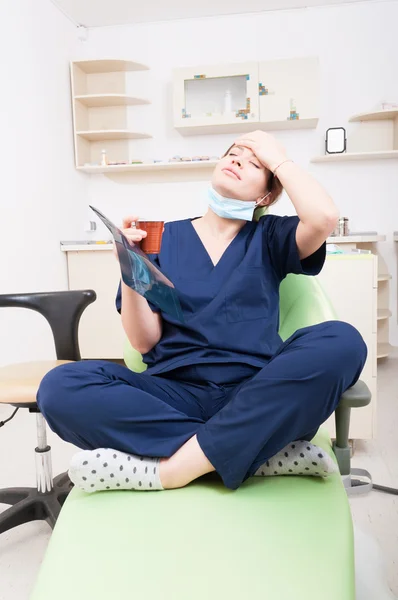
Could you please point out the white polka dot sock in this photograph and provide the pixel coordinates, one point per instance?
(299, 458)
(108, 469)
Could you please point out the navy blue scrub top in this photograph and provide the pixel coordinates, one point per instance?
(231, 310)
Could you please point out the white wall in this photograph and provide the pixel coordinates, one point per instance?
(41, 194)
(43, 199)
(357, 48)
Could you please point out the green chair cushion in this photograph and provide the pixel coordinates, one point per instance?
(277, 538)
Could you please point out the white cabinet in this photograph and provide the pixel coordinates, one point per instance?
(381, 295)
(278, 94)
(101, 333)
(351, 285)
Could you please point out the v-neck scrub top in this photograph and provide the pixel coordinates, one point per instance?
(231, 310)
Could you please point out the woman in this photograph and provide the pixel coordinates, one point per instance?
(221, 392)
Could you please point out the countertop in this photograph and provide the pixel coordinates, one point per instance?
(86, 246)
(359, 238)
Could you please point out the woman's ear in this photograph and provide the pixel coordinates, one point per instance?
(263, 201)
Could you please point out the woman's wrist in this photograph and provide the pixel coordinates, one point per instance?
(276, 161)
(281, 165)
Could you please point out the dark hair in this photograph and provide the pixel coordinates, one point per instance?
(274, 185)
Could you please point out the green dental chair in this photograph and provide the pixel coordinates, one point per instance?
(279, 538)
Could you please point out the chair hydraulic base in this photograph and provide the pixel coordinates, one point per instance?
(42, 503)
(357, 487)
(353, 486)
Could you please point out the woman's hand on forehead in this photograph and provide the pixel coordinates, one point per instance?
(269, 151)
(242, 150)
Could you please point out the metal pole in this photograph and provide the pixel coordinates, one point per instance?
(44, 477)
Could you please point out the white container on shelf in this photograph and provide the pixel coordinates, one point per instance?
(228, 102)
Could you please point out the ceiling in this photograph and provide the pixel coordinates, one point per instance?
(102, 13)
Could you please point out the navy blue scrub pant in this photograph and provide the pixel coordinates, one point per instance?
(239, 424)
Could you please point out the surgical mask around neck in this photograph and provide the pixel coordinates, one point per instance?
(229, 208)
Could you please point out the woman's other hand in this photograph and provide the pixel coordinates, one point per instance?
(129, 230)
(265, 146)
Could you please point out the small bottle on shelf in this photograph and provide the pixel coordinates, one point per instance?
(228, 112)
(104, 160)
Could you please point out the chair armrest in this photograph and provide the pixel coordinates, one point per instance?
(62, 311)
(356, 396)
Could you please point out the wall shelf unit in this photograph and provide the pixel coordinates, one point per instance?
(100, 104)
(233, 98)
(375, 138)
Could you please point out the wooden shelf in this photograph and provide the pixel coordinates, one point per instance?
(347, 156)
(288, 124)
(164, 166)
(377, 115)
(383, 350)
(383, 313)
(109, 66)
(101, 100)
(246, 126)
(384, 277)
(112, 134)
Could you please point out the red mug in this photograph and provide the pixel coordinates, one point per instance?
(152, 242)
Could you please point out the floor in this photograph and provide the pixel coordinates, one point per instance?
(375, 515)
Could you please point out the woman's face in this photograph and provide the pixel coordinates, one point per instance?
(240, 175)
